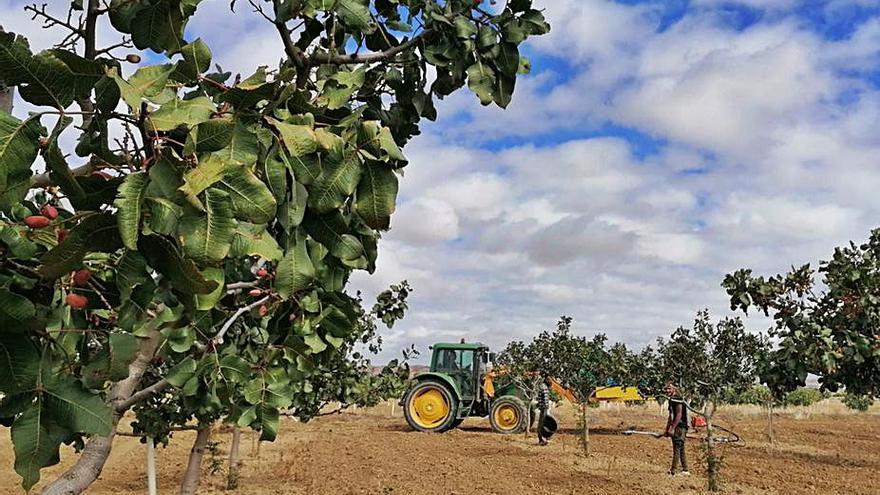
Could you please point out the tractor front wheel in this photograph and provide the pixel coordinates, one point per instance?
(508, 415)
(430, 406)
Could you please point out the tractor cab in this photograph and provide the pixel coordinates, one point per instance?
(464, 363)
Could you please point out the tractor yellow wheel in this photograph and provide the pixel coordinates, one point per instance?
(508, 415)
(429, 406)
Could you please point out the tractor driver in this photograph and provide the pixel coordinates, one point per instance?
(677, 428)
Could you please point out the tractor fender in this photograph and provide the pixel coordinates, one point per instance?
(441, 377)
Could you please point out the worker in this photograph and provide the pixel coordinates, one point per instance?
(677, 428)
(543, 406)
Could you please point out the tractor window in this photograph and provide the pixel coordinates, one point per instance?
(455, 360)
(466, 360)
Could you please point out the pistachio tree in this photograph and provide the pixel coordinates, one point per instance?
(199, 233)
(705, 361)
(579, 364)
(827, 327)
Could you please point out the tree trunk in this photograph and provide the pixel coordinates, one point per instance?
(91, 461)
(193, 474)
(712, 461)
(392, 408)
(529, 418)
(585, 438)
(234, 460)
(151, 467)
(770, 435)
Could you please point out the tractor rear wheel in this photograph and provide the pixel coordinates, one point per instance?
(430, 406)
(508, 415)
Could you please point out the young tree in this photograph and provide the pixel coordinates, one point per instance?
(828, 329)
(521, 365)
(703, 362)
(579, 364)
(206, 239)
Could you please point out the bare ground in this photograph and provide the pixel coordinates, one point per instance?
(818, 451)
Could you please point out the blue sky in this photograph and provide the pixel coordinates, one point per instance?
(655, 147)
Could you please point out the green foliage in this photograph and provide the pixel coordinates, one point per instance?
(830, 332)
(223, 228)
(757, 395)
(857, 402)
(803, 396)
(709, 361)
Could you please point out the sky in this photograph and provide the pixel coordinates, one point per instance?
(655, 147)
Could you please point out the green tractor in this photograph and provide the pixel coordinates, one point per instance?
(459, 386)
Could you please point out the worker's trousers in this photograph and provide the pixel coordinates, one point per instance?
(678, 450)
(541, 415)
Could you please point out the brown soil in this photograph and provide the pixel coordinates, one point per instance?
(369, 452)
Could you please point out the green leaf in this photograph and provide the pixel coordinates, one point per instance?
(208, 237)
(158, 27)
(355, 14)
(253, 240)
(36, 439)
(508, 59)
(146, 82)
(19, 363)
(315, 343)
(243, 147)
(251, 198)
(486, 37)
(295, 271)
(15, 312)
(164, 215)
(332, 232)
(76, 408)
(464, 27)
(196, 60)
(376, 196)
(208, 172)
(300, 140)
(292, 211)
(163, 255)
(94, 233)
(179, 112)
(214, 135)
(128, 205)
(182, 372)
(19, 142)
(54, 77)
(481, 80)
(338, 182)
(389, 146)
(206, 302)
(233, 368)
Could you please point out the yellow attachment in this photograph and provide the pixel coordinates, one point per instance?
(429, 407)
(618, 394)
(488, 385)
(507, 416)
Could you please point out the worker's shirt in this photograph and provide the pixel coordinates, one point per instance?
(543, 397)
(674, 404)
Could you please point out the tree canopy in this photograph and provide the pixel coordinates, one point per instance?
(201, 234)
(827, 327)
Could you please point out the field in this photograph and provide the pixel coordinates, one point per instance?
(822, 449)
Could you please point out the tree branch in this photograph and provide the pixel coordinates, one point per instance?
(44, 180)
(141, 395)
(218, 339)
(328, 58)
